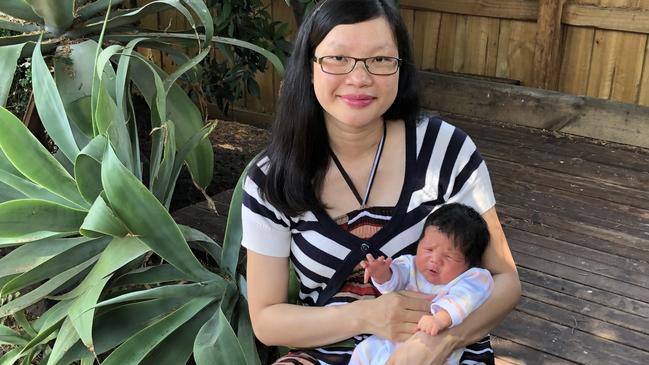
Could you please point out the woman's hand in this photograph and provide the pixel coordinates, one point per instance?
(422, 349)
(395, 315)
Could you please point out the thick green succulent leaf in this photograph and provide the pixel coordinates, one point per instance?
(43, 290)
(73, 74)
(178, 346)
(202, 11)
(8, 192)
(245, 334)
(32, 254)
(20, 217)
(30, 237)
(203, 242)
(33, 161)
(53, 316)
(87, 168)
(42, 337)
(72, 257)
(187, 39)
(65, 339)
(33, 191)
(181, 109)
(138, 347)
(110, 123)
(82, 313)
(185, 67)
(132, 201)
(8, 59)
(214, 288)
(50, 107)
(101, 220)
(58, 14)
(182, 155)
(93, 8)
(10, 337)
(20, 9)
(216, 343)
(233, 233)
(11, 357)
(151, 275)
(17, 26)
(162, 179)
(114, 326)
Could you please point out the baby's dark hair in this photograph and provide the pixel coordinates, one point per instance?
(465, 227)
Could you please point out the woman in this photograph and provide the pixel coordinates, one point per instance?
(352, 170)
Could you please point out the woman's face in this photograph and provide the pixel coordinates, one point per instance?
(357, 98)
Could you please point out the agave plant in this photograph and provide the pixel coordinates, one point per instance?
(85, 223)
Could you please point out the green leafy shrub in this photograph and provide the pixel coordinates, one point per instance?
(226, 79)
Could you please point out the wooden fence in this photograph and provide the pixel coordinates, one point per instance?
(594, 48)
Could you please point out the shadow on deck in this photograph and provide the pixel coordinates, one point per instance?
(576, 215)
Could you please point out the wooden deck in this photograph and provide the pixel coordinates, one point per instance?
(576, 215)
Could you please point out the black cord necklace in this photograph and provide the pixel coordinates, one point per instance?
(370, 180)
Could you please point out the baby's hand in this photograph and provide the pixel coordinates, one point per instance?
(429, 325)
(378, 269)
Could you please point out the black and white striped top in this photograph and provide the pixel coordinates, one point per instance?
(442, 166)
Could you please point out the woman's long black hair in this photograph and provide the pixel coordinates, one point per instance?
(299, 148)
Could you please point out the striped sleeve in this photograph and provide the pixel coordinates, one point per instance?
(449, 169)
(264, 229)
(470, 183)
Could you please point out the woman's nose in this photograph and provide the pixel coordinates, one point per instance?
(359, 75)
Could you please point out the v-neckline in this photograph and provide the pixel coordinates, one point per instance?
(349, 239)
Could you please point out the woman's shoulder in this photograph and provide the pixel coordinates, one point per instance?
(428, 120)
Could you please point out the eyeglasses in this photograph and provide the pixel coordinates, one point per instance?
(341, 65)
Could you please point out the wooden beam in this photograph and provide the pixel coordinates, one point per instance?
(505, 9)
(548, 38)
(580, 115)
(584, 15)
(622, 19)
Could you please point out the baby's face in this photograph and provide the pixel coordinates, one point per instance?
(437, 257)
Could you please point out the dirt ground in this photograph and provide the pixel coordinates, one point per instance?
(235, 144)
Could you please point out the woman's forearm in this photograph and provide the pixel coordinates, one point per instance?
(300, 326)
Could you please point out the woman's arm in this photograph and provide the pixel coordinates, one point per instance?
(275, 322)
(424, 349)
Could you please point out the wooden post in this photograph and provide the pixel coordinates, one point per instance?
(548, 38)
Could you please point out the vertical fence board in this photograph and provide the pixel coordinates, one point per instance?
(643, 98)
(612, 76)
(446, 44)
(425, 38)
(548, 36)
(577, 54)
(459, 50)
(482, 46)
(516, 50)
(626, 82)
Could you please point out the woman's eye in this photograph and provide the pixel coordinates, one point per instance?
(380, 59)
(339, 58)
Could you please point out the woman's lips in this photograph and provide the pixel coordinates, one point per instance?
(357, 101)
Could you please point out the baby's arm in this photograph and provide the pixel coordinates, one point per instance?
(378, 269)
(468, 293)
(434, 323)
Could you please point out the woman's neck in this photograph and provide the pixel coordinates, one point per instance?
(349, 142)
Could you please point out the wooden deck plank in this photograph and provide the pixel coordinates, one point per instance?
(576, 346)
(512, 353)
(567, 229)
(612, 316)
